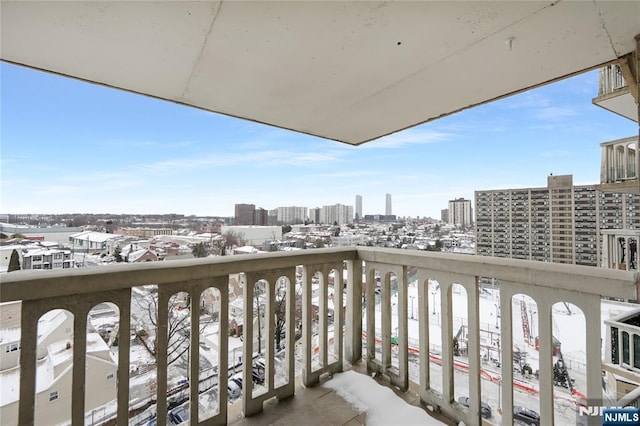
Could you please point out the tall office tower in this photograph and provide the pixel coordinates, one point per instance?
(291, 215)
(444, 215)
(337, 213)
(559, 223)
(245, 214)
(460, 212)
(358, 207)
(387, 207)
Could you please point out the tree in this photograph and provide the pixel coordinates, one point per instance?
(178, 327)
(14, 262)
(281, 310)
(286, 229)
(199, 250)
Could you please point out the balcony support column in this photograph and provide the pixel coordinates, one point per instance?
(353, 343)
(162, 335)
(423, 326)
(28, 346)
(446, 319)
(78, 387)
(307, 313)
(594, 359)
(473, 304)
(506, 346)
(545, 340)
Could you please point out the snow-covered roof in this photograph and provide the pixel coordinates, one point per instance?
(96, 237)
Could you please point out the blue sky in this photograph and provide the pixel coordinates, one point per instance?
(69, 146)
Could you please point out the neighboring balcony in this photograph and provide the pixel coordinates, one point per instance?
(622, 354)
(422, 327)
(620, 166)
(614, 94)
(620, 248)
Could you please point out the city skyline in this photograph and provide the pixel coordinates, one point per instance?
(70, 146)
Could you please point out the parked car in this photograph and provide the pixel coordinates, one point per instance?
(485, 409)
(237, 378)
(523, 415)
(180, 414)
(258, 375)
(233, 390)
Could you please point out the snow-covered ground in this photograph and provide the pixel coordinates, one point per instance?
(382, 406)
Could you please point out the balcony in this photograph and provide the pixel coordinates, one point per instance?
(614, 94)
(620, 166)
(620, 249)
(379, 350)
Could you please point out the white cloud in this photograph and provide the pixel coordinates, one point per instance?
(408, 137)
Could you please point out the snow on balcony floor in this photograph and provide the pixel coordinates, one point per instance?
(381, 405)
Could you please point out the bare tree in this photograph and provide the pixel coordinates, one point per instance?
(178, 328)
(281, 309)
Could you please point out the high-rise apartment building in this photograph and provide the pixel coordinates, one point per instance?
(358, 207)
(247, 214)
(387, 205)
(314, 215)
(559, 223)
(460, 212)
(444, 215)
(261, 217)
(244, 214)
(338, 213)
(292, 215)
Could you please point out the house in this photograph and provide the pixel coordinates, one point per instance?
(54, 370)
(90, 241)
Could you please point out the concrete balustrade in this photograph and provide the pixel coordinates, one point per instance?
(79, 290)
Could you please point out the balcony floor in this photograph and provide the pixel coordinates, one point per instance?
(317, 405)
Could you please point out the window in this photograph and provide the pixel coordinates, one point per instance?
(109, 376)
(53, 396)
(11, 347)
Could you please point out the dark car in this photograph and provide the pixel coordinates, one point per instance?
(485, 409)
(179, 414)
(523, 415)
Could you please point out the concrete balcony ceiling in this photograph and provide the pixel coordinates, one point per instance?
(348, 71)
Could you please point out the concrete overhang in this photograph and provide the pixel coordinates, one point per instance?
(348, 71)
(620, 102)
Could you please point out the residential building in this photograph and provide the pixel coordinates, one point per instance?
(314, 215)
(54, 352)
(261, 217)
(337, 213)
(46, 258)
(90, 241)
(144, 232)
(460, 212)
(387, 205)
(444, 215)
(244, 214)
(559, 223)
(291, 215)
(379, 218)
(358, 208)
